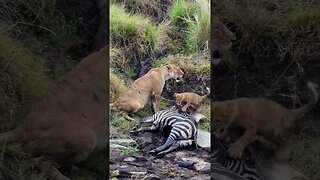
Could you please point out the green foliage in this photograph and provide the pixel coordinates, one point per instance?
(22, 78)
(130, 72)
(119, 126)
(68, 35)
(205, 109)
(265, 31)
(192, 21)
(116, 86)
(124, 26)
(129, 150)
(306, 154)
(191, 64)
(180, 12)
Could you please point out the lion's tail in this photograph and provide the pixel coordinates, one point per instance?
(11, 136)
(314, 99)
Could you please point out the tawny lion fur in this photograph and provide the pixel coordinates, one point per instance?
(222, 39)
(190, 98)
(69, 123)
(258, 116)
(140, 91)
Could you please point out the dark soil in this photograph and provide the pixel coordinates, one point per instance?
(158, 168)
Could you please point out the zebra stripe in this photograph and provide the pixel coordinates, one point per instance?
(231, 166)
(183, 127)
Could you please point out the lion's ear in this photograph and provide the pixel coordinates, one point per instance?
(169, 67)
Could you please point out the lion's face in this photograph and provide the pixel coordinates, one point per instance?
(220, 119)
(222, 39)
(178, 98)
(174, 72)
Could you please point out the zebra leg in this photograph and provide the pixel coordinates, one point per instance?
(151, 128)
(195, 141)
(167, 144)
(176, 144)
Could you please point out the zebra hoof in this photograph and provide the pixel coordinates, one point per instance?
(160, 155)
(153, 151)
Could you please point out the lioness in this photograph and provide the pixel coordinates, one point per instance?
(191, 98)
(222, 39)
(69, 123)
(257, 116)
(152, 83)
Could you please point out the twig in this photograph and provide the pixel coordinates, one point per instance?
(34, 25)
(5, 67)
(285, 70)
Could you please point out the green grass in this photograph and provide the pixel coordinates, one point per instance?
(192, 64)
(135, 35)
(306, 151)
(262, 31)
(68, 35)
(129, 150)
(205, 109)
(125, 26)
(117, 86)
(180, 11)
(22, 79)
(192, 21)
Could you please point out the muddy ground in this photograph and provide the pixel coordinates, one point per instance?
(166, 167)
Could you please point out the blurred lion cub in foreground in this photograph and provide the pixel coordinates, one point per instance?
(192, 99)
(257, 116)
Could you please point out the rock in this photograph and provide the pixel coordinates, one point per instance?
(202, 166)
(121, 143)
(203, 139)
(117, 146)
(201, 177)
(192, 159)
(198, 164)
(186, 164)
(153, 177)
(129, 159)
(127, 171)
(124, 142)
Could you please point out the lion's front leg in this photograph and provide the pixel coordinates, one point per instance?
(156, 104)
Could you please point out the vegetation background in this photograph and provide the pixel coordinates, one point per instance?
(147, 34)
(277, 50)
(39, 42)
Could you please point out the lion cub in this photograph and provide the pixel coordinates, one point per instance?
(192, 99)
(257, 116)
(151, 84)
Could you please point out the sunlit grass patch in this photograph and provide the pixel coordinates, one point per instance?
(192, 21)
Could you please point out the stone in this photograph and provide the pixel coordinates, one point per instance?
(129, 159)
(203, 139)
(123, 142)
(202, 166)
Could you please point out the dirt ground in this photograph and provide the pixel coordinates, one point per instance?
(166, 167)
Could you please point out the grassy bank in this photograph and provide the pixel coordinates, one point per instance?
(276, 52)
(141, 41)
